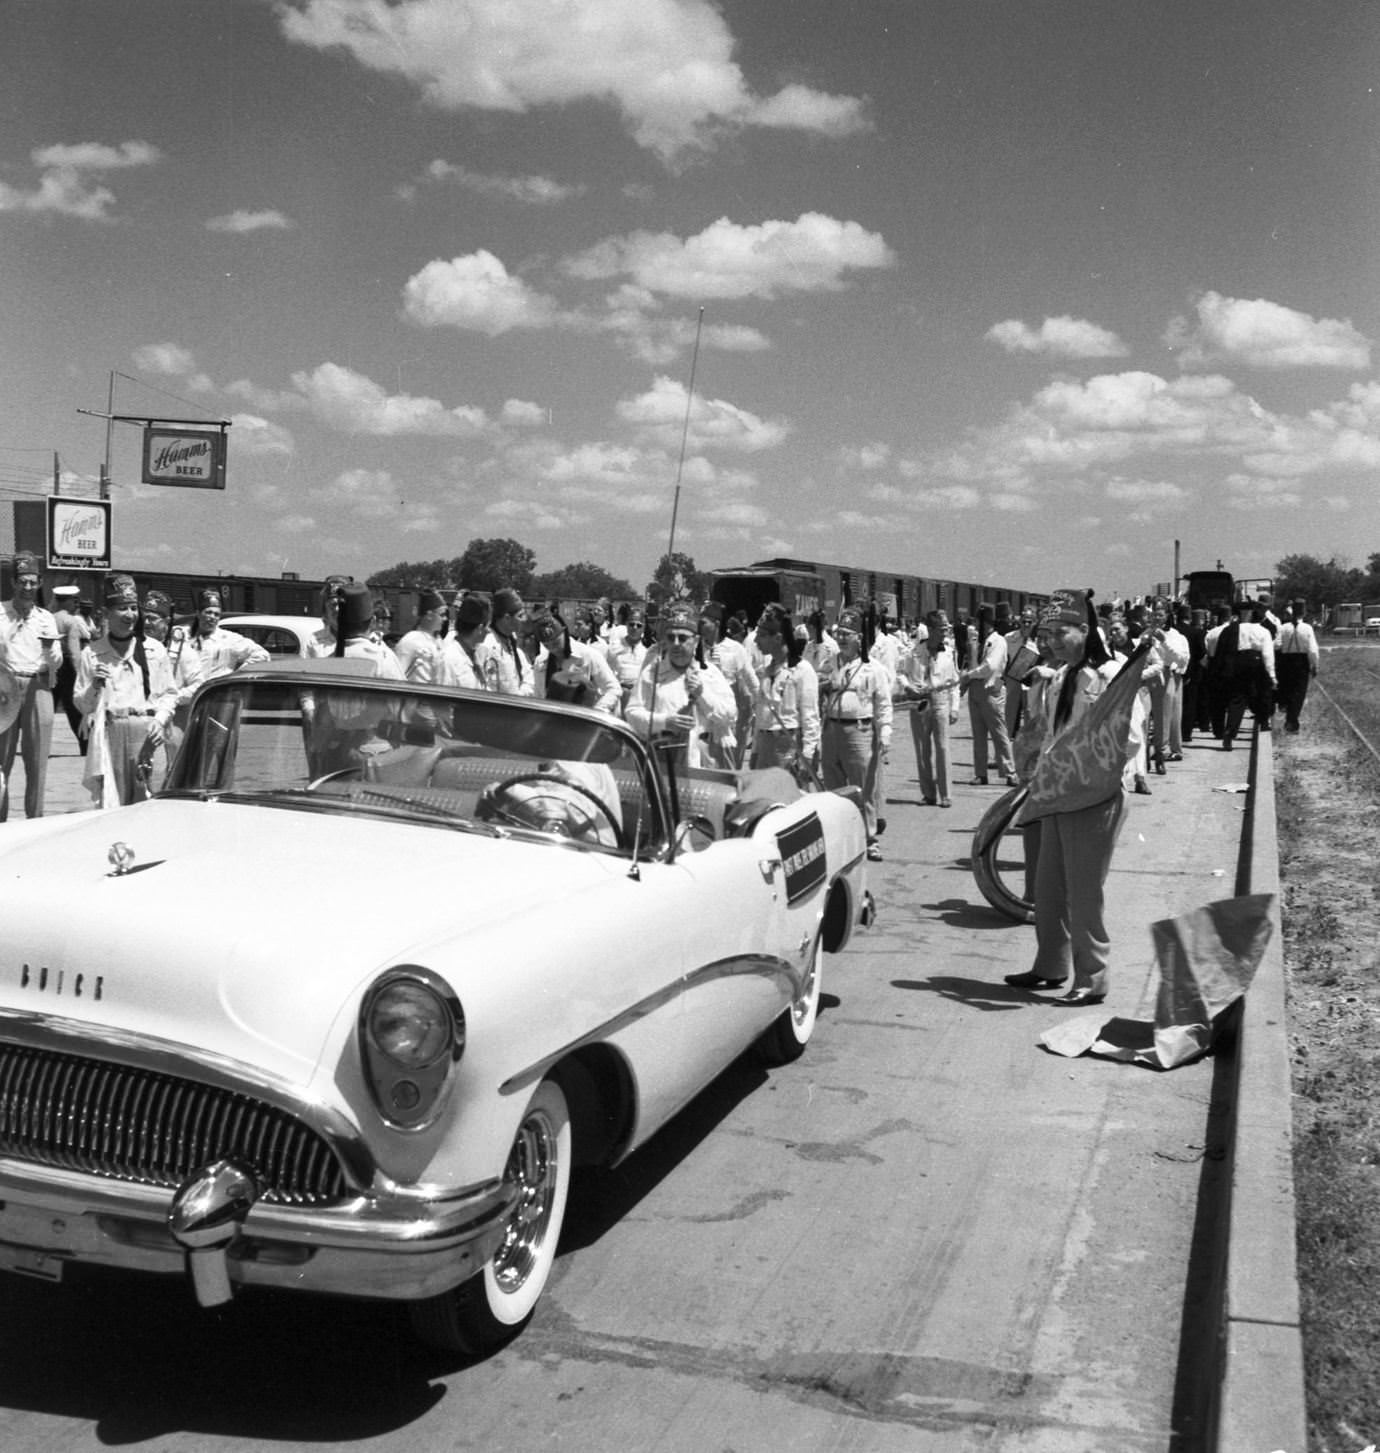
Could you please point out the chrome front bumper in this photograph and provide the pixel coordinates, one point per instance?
(389, 1247)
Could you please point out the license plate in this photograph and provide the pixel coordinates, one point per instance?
(26, 1262)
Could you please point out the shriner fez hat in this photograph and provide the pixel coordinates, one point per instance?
(850, 619)
(356, 608)
(679, 615)
(121, 590)
(1069, 607)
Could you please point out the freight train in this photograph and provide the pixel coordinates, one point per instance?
(276, 595)
(805, 586)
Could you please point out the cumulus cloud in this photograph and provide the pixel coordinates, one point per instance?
(369, 494)
(599, 475)
(601, 464)
(267, 400)
(1262, 334)
(345, 400)
(667, 65)
(1146, 492)
(1140, 501)
(659, 415)
(475, 292)
(420, 518)
(728, 260)
(799, 108)
(629, 317)
(531, 513)
(1061, 337)
(522, 414)
(478, 293)
(252, 435)
(532, 191)
(171, 360)
(1254, 492)
(1150, 445)
(242, 221)
(866, 456)
(66, 184)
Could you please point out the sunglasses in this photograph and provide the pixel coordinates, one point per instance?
(681, 638)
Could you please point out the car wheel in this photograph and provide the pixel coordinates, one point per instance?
(785, 1039)
(492, 1307)
(998, 858)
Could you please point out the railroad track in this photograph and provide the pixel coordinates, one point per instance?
(1336, 706)
(1366, 738)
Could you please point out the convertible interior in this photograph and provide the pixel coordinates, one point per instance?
(454, 777)
(466, 757)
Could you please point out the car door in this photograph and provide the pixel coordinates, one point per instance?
(759, 905)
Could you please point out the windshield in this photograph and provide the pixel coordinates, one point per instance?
(360, 746)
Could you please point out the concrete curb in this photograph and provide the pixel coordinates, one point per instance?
(1261, 1397)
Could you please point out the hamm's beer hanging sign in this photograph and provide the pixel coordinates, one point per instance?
(194, 458)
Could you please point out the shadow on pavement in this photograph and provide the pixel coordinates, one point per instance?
(960, 913)
(976, 993)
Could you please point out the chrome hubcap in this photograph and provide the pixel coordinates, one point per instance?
(532, 1169)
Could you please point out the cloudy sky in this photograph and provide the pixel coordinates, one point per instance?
(1019, 291)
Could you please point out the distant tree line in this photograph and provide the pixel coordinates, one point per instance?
(1326, 584)
(488, 565)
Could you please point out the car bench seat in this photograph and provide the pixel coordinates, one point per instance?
(723, 804)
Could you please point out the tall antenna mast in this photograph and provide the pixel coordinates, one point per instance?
(685, 433)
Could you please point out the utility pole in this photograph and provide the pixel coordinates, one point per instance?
(109, 430)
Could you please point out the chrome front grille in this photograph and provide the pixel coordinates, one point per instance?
(129, 1124)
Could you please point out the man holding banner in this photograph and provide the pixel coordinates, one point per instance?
(1077, 799)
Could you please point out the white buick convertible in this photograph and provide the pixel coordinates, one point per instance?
(339, 1008)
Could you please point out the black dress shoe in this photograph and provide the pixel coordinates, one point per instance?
(1080, 996)
(1031, 980)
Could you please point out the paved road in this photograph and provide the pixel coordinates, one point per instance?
(928, 1234)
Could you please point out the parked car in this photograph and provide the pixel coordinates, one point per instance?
(278, 635)
(474, 940)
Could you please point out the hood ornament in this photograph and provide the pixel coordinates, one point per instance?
(120, 856)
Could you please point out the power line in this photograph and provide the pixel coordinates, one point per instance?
(153, 388)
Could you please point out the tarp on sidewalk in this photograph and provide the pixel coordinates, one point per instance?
(1206, 960)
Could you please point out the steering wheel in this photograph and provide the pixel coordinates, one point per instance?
(340, 774)
(494, 803)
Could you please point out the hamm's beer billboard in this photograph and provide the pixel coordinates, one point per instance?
(194, 458)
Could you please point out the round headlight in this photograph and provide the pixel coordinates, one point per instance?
(411, 1024)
